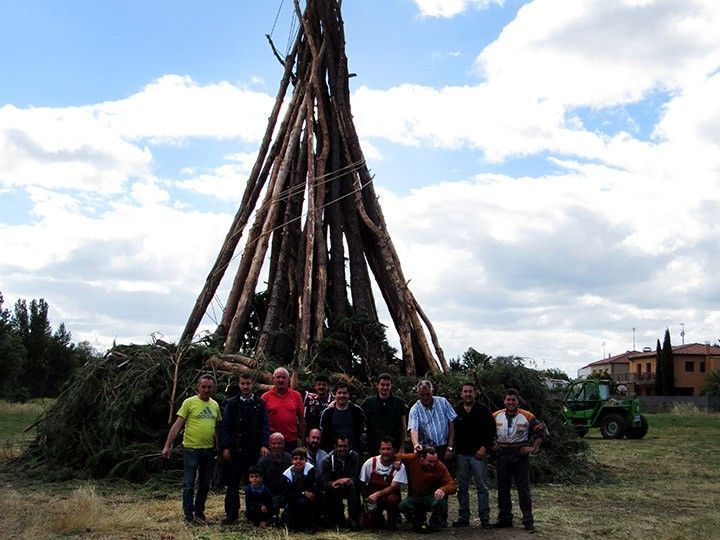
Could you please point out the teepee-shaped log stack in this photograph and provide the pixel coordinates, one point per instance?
(319, 208)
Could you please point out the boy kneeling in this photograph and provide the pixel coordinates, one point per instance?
(300, 493)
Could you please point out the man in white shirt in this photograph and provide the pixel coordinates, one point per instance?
(381, 487)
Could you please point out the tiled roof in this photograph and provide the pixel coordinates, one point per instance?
(700, 349)
(617, 359)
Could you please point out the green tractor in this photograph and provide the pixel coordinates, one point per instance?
(589, 403)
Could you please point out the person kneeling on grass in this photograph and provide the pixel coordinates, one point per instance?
(300, 493)
(429, 484)
(258, 499)
(381, 489)
(339, 480)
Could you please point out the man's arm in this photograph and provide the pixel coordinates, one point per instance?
(174, 430)
(451, 441)
(403, 435)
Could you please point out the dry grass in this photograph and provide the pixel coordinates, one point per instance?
(665, 486)
(83, 513)
(34, 407)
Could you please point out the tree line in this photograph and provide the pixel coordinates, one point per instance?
(35, 361)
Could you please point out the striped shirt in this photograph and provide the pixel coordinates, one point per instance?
(432, 423)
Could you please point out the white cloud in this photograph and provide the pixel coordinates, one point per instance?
(602, 53)
(450, 8)
(97, 147)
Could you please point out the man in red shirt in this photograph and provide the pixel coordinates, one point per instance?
(285, 409)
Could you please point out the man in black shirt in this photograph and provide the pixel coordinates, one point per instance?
(385, 415)
(342, 418)
(244, 433)
(339, 479)
(474, 436)
(273, 465)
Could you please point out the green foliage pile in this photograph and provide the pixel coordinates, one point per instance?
(112, 417)
(34, 360)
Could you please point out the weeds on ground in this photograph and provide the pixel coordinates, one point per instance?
(688, 409)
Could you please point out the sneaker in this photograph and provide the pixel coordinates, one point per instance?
(419, 528)
(485, 525)
(200, 518)
(502, 525)
(310, 530)
(189, 518)
(460, 523)
(529, 528)
(229, 521)
(434, 527)
(354, 525)
(391, 526)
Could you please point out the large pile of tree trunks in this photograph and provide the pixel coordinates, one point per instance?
(319, 226)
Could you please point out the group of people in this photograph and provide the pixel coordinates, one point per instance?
(299, 457)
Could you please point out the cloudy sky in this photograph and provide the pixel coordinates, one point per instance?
(549, 170)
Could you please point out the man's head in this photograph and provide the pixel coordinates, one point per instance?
(387, 449)
(255, 475)
(342, 393)
(299, 457)
(384, 385)
(321, 385)
(467, 393)
(428, 457)
(277, 444)
(512, 400)
(246, 384)
(206, 385)
(342, 446)
(314, 438)
(425, 392)
(281, 379)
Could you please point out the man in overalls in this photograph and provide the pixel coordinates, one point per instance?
(381, 489)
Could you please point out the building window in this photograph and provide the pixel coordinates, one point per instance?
(638, 368)
(690, 366)
(647, 367)
(702, 367)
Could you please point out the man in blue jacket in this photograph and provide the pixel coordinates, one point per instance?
(244, 433)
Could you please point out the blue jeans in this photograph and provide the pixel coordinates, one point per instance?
(467, 465)
(197, 462)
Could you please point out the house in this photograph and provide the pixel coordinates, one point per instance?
(615, 367)
(692, 364)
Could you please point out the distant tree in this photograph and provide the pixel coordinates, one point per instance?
(712, 383)
(12, 358)
(554, 373)
(659, 371)
(668, 361)
(34, 361)
(470, 359)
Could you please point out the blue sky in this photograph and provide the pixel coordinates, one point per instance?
(549, 171)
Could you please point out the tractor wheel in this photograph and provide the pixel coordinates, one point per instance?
(640, 431)
(612, 426)
(581, 431)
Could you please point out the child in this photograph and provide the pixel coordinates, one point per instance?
(258, 499)
(300, 493)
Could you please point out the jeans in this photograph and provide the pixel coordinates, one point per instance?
(415, 509)
(468, 464)
(197, 462)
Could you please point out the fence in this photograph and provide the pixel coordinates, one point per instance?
(664, 403)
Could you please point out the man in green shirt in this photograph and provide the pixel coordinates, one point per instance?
(200, 416)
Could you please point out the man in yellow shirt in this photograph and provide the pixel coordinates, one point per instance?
(200, 415)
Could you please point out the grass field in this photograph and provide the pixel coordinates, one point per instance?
(664, 486)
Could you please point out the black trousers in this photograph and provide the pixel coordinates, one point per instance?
(240, 462)
(513, 466)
